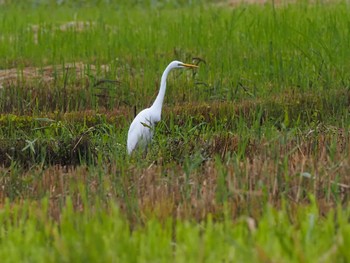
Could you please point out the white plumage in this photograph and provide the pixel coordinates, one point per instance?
(142, 127)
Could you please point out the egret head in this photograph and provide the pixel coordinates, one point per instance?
(179, 64)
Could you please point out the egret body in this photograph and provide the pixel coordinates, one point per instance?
(142, 127)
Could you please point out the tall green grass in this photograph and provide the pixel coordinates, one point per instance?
(267, 49)
(95, 235)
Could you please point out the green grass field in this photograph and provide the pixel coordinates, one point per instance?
(250, 162)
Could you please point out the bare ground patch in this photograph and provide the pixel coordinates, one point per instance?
(234, 3)
(47, 74)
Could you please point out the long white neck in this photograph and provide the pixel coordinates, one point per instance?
(158, 103)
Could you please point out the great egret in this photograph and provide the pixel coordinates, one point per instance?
(141, 129)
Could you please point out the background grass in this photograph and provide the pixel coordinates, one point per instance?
(252, 152)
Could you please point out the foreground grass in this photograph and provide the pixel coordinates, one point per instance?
(100, 235)
(169, 184)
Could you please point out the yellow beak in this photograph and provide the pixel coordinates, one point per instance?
(189, 65)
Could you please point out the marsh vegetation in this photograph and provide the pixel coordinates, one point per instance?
(250, 162)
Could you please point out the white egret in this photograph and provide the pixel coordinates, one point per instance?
(142, 127)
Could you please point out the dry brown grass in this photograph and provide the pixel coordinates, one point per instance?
(238, 187)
